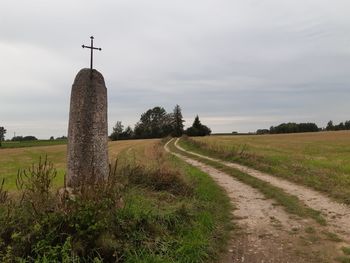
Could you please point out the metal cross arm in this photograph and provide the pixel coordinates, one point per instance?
(92, 49)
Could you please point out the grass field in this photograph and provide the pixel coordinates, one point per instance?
(13, 159)
(319, 160)
(172, 212)
(17, 144)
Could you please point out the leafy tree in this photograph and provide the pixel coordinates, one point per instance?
(178, 121)
(341, 126)
(127, 133)
(292, 127)
(29, 138)
(62, 138)
(2, 135)
(17, 138)
(117, 131)
(154, 123)
(330, 126)
(197, 128)
(24, 138)
(262, 131)
(347, 125)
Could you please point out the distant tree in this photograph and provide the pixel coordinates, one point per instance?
(154, 123)
(17, 138)
(263, 131)
(52, 138)
(178, 122)
(340, 127)
(292, 127)
(24, 138)
(330, 126)
(2, 135)
(61, 138)
(117, 131)
(127, 133)
(29, 138)
(197, 128)
(347, 125)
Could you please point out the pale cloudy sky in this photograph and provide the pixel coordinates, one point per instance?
(240, 64)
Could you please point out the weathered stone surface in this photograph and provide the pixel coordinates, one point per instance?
(87, 158)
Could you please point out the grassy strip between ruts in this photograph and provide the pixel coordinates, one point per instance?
(291, 203)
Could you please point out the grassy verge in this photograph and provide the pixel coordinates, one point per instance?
(213, 209)
(153, 209)
(291, 203)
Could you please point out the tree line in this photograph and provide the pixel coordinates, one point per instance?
(157, 123)
(341, 126)
(2, 134)
(292, 127)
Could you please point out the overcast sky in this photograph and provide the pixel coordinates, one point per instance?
(239, 65)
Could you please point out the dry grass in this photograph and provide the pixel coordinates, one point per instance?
(11, 160)
(146, 213)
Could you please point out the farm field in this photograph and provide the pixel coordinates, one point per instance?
(13, 159)
(164, 191)
(17, 144)
(169, 211)
(318, 160)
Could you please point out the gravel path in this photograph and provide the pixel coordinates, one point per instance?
(269, 234)
(336, 214)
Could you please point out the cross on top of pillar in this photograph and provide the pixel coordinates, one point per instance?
(92, 49)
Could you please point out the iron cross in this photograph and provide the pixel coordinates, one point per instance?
(92, 49)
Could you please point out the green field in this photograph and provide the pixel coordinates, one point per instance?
(319, 160)
(20, 144)
(14, 158)
(170, 211)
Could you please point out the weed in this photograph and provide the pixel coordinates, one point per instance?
(343, 259)
(346, 250)
(3, 193)
(310, 230)
(332, 236)
(35, 185)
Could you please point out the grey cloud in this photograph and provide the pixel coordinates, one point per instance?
(240, 65)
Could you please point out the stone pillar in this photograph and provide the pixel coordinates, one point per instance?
(87, 158)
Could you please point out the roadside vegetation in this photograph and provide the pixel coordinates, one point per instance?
(152, 208)
(317, 160)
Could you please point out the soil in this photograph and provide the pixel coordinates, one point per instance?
(266, 232)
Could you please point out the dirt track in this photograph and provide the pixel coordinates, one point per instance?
(269, 234)
(336, 214)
